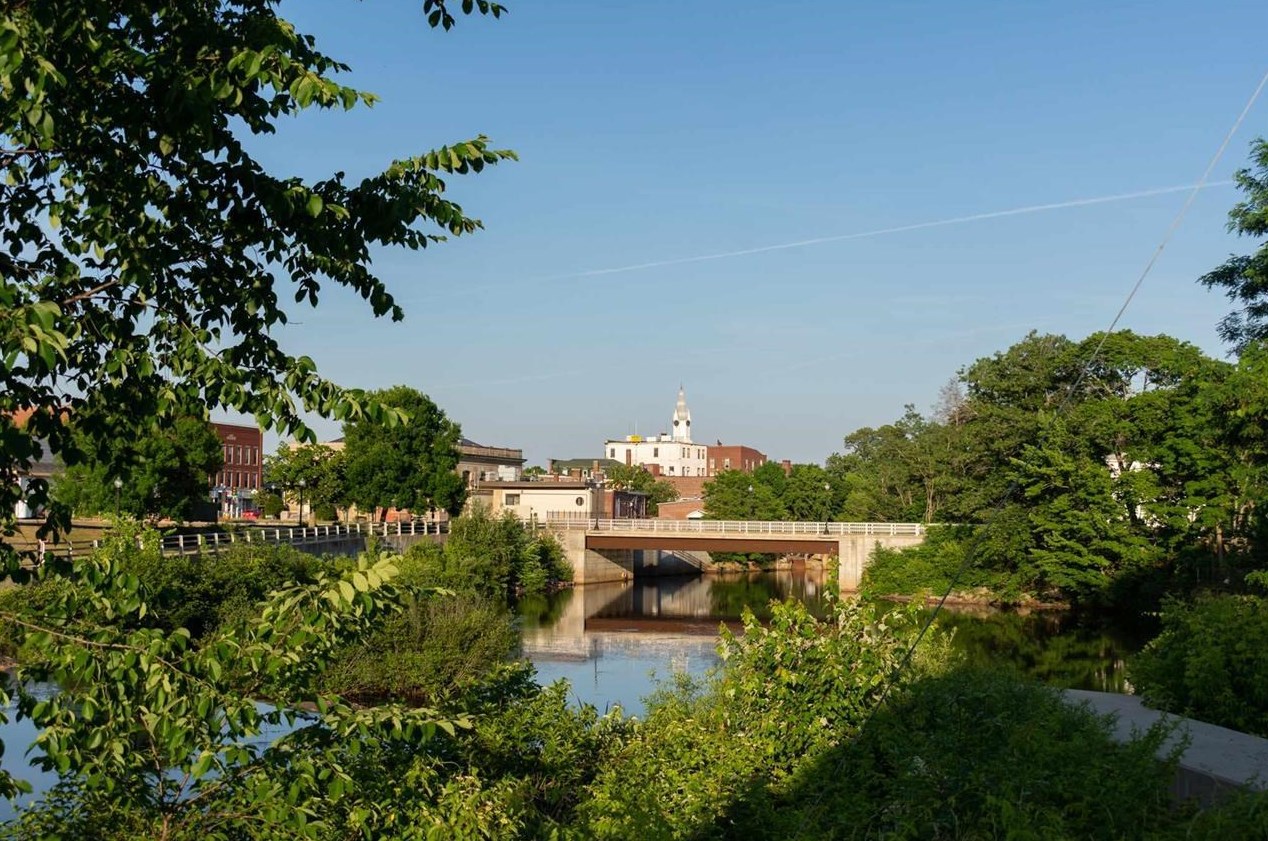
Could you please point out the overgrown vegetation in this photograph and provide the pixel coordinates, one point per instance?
(1210, 662)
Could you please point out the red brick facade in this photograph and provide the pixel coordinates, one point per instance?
(737, 457)
(244, 459)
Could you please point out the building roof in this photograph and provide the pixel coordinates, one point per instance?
(582, 463)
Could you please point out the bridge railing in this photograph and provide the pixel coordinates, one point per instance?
(737, 527)
(176, 544)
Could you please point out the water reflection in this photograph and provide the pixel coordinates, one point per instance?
(614, 641)
(1056, 648)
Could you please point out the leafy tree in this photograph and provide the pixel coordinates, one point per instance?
(409, 465)
(1080, 535)
(145, 253)
(164, 474)
(321, 469)
(155, 737)
(808, 493)
(1244, 279)
(736, 495)
(637, 478)
(271, 504)
(497, 557)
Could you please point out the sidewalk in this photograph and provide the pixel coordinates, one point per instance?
(1217, 759)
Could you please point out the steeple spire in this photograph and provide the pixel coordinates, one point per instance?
(682, 418)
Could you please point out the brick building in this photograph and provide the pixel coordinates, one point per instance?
(734, 457)
(235, 486)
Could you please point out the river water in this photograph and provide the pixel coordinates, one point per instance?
(615, 642)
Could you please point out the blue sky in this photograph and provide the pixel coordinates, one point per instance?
(655, 131)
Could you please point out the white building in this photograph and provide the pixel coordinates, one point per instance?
(671, 454)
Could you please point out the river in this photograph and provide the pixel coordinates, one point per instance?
(615, 642)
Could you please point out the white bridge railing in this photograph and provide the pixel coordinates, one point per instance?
(293, 535)
(736, 527)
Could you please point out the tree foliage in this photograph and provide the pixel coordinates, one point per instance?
(1098, 465)
(145, 254)
(1244, 278)
(320, 469)
(637, 478)
(409, 465)
(164, 473)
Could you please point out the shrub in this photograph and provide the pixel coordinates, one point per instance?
(325, 511)
(1210, 662)
(270, 504)
(973, 754)
(787, 693)
(435, 647)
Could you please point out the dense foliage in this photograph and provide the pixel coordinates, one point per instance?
(1210, 662)
(497, 557)
(163, 473)
(315, 470)
(145, 254)
(412, 465)
(1143, 472)
(1244, 278)
(793, 738)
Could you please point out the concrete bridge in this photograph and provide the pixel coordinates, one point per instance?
(613, 550)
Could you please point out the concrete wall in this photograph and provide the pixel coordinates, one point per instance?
(855, 552)
(590, 566)
(669, 562)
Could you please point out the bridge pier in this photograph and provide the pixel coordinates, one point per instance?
(854, 553)
(594, 566)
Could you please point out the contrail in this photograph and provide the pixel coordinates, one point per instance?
(938, 223)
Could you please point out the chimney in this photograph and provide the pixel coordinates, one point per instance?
(787, 465)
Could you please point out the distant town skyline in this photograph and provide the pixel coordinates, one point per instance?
(828, 149)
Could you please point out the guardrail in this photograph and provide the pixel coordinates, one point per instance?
(291, 535)
(759, 527)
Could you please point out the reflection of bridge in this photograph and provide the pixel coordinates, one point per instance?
(613, 550)
(671, 614)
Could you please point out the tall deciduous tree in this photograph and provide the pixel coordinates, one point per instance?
(407, 465)
(145, 254)
(321, 469)
(163, 474)
(1244, 278)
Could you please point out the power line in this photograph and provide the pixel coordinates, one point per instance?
(1008, 494)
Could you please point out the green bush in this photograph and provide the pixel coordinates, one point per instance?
(496, 557)
(325, 511)
(788, 692)
(927, 567)
(1210, 662)
(978, 754)
(270, 504)
(437, 646)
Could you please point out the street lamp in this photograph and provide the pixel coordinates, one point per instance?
(827, 508)
(302, 484)
(118, 486)
(752, 506)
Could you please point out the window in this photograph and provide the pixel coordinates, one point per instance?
(655, 452)
(581, 500)
(713, 464)
(612, 453)
(511, 499)
(671, 470)
(726, 464)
